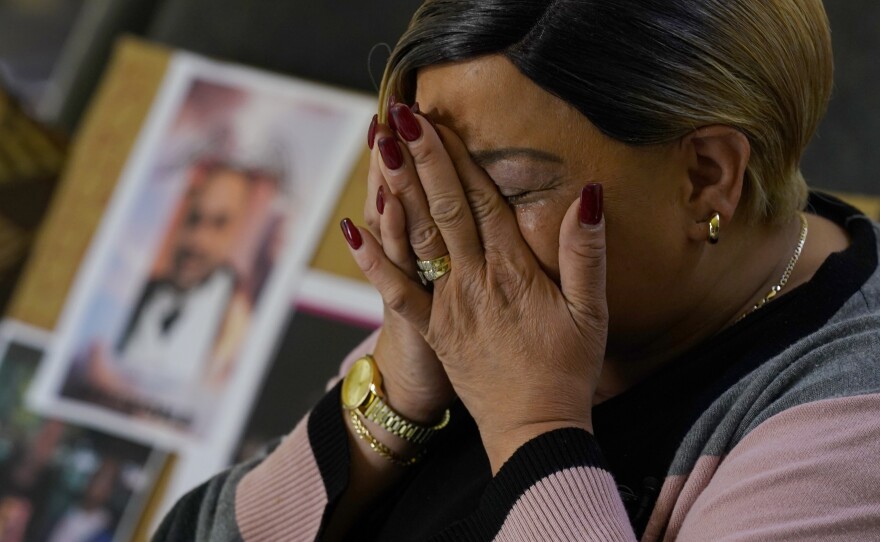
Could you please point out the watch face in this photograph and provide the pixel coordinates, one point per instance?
(356, 385)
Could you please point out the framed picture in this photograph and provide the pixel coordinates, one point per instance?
(61, 482)
(329, 316)
(179, 301)
(332, 315)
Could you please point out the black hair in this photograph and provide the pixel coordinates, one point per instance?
(651, 71)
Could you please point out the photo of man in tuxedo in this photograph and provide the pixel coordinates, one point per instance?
(182, 337)
(190, 320)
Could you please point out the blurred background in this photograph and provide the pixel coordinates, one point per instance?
(53, 54)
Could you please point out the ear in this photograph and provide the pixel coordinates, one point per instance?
(717, 160)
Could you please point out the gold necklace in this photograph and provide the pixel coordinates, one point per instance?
(774, 291)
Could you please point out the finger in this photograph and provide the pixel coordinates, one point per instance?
(399, 293)
(493, 217)
(435, 173)
(395, 241)
(403, 182)
(375, 182)
(582, 260)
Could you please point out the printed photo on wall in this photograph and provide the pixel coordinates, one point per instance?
(332, 315)
(177, 306)
(61, 482)
(328, 316)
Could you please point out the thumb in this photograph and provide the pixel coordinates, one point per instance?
(582, 260)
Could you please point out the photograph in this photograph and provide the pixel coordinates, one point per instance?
(61, 482)
(331, 316)
(179, 301)
(327, 316)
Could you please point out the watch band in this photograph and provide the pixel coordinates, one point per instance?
(362, 392)
(377, 411)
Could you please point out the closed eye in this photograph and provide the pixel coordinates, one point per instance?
(520, 196)
(517, 199)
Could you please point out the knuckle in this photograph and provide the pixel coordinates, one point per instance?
(591, 252)
(448, 211)
(407, 190)
(498, 260)
(372, 267)
(400, 181)
(508, 285)
(483, 204)
(371, 220)
(424, 154)
(397, 300)
(425, 238)
(394, 293)
(595, 244)
(396, 235)
(507, 268)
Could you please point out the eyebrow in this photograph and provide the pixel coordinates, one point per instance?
(487, 157)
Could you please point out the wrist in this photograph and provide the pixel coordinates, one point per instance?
(418, 390)
(373, 421)
(419, 407)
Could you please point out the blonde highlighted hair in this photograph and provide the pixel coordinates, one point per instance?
(651, 71)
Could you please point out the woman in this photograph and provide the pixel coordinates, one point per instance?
(711, 376)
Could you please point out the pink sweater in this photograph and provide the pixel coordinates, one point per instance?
(811, 472)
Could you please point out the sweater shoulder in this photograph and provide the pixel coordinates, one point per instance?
(841, 359)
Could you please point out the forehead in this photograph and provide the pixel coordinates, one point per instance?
(490, 104)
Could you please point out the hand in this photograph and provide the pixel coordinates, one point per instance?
(523, 353)
(414, 379)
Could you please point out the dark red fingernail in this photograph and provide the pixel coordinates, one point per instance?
(415, 108)
(406, 123)
(380, 200)
(591, 204)
(371, 133)
(351, 233)
(392, 100)
(390, 152)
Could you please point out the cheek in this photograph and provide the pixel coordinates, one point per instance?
(539, 225)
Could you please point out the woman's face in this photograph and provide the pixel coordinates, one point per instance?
(540, 152)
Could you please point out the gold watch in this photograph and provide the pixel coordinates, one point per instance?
(362, 392)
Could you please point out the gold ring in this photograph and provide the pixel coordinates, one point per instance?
(431, 270)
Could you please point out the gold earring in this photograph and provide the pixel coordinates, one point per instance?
(714, 228)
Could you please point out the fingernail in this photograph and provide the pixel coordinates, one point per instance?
(406, 123)
(415, 108)
(392, 100)
(591, 204)
(371, 133)
(351, 233)
(380, 200)
(390, 152)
